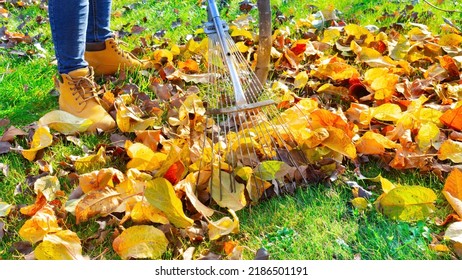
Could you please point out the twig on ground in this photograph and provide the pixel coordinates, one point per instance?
(441, 9)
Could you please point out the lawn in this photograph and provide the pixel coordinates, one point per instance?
(319, 221)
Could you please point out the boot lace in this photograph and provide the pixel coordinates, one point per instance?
(127, 55)
(85, 87)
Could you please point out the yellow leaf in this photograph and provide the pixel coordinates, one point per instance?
(65, 122)
(91, 162)
(450, 40)
(242, 47)
(144, 212)
(162, 56)
(387, 112)
(452, 190)
(427, 135)
(301, 79)
(387, 186)
(48, 186)
(330, 36)
(256, 187)
(160, 193)
(224, 226)
(222, 182)
(62, 245)
(451, 150)
(241, 32)
(339, 141)
(42, 223)
(99, 179)
(359, 203)
(407, 203)
(97, 203)
(140, 242)
(127, 119)
(143, 158)
(41, 139)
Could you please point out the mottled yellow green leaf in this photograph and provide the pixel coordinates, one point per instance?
(224, 226)
(407, 203)
(140, 242)
(92, 162)
(42, 138)
(65, 122)
(160, 193)
(42, 223)
(62, 245)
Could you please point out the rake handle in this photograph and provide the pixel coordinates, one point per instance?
(214, 17)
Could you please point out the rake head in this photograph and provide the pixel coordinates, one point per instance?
(246, 140)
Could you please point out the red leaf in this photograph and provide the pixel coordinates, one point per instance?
(175, 172)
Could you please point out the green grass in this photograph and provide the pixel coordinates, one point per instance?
(316, 223)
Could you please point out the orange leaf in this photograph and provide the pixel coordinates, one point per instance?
(453, 118)
(453, 190)
(175, 172)
(43, 222)
(30, 210)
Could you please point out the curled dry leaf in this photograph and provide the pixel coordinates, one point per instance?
(222, 194)
(64, 122)
(41, 139)
(140, 242)
(224, 226)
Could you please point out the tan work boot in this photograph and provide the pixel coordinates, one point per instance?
(107, 58)
(78, 96)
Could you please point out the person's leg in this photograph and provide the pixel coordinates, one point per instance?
(99, 18)
(75, 83)
(68, 22)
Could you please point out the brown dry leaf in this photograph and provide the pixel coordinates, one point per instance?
(160, 193)
(64, 122)
(30, 210)
(224, 226)
(452, 190)
(140, 242)
(451, 150)
(41, 139)
(62, 245)
(11, 133)
(150, 138)
(42, 223)
(127, 119)
(97, 203)
(99, 179)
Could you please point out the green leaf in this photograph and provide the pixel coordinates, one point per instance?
(271, 169)
(407, 203)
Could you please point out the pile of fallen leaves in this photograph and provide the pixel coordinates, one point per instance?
(398, 101)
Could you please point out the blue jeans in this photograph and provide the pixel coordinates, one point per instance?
(75, 23)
